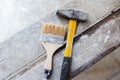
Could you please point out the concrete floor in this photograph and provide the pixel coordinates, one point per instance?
(106, 69)
(15, 15)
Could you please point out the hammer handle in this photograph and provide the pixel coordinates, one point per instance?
(66, 66)
(65, 72)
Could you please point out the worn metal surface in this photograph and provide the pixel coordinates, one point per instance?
(24, 49)
(73, 14)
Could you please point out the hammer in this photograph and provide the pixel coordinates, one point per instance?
(73, 16)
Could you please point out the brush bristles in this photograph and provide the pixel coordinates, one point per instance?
(53, 29)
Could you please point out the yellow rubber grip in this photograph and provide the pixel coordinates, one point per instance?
(71, 32)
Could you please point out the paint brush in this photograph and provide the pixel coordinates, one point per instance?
(52, 38)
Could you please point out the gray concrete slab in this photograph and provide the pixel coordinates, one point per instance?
(90, 46)
(106, 69)
(16, 15)
(24, 47)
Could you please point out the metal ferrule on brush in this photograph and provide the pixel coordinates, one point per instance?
(52, 38)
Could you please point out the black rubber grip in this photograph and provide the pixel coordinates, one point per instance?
(66, 69)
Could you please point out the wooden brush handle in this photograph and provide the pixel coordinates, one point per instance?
(50, 49)
(48, 65)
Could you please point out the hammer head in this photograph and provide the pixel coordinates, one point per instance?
(73, 14)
